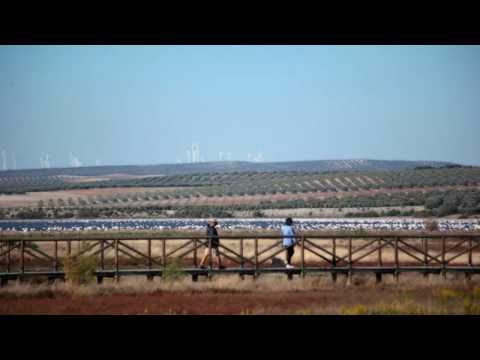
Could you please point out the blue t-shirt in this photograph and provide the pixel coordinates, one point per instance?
(287, 230)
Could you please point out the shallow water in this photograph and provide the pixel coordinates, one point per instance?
(234, 224)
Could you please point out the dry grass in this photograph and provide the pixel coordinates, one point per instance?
(272, 283)
(132, 285)
(269, 294)
(323, 212)
(32, 198)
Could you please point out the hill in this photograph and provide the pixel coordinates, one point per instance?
(230, 166)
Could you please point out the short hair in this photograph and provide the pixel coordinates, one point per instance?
(288, 221)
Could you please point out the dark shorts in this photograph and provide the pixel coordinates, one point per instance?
(215, 246)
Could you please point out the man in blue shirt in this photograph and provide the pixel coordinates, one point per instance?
(289, 240)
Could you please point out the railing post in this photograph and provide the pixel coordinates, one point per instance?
(102, 261)
(149, 261)
(334, 258)
(349, 275)
(117, 276)
(210, 260)
(425, 256)
(195, 261)
(468, 275)
(444, 273)
(256, 256)
(149, 254)
(9, 258)
(22, 256)
(303, 257)
(242, 261)
(164, 256)
(4, 244)
(397, 265)
(56, 255)
(378, 275)
(102, 255)
(380, 260)
(470, 262)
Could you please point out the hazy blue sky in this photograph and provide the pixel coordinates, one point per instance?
(147, 104)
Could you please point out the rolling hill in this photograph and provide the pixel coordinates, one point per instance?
(229, 166)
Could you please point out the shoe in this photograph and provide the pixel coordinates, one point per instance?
(221, 267)
(290, 266)
(202, 267)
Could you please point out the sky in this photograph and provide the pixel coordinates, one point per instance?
(125, 105)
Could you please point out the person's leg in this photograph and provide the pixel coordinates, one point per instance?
(219, 259)
(205, 257)
(216, 253)
(289, 255)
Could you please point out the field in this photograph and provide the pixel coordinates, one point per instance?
(226, 166)
(433, 191)
(230, 295)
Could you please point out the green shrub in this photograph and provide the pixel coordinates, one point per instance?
(80, 269)
(355, 310)
(174, 270)
(449, 294)
(395, 308)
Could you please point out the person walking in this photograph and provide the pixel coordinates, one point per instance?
(214, 241)
(289, 240)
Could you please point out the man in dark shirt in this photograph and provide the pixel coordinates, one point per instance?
(212, 237)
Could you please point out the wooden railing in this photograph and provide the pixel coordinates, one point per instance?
(379, 253)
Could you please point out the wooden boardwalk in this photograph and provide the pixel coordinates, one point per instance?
(252, 255)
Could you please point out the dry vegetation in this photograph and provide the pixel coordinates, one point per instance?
(32, 198)
(268, 294)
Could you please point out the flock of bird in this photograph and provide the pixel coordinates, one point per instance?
(233, 224)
